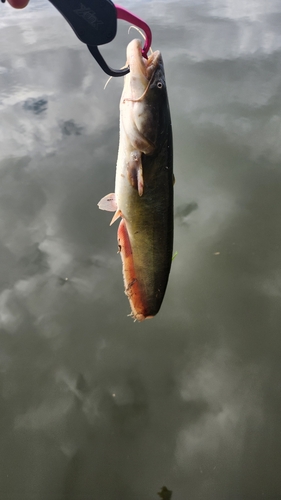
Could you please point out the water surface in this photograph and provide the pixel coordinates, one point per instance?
(93, 405)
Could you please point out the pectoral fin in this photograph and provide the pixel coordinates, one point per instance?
(135, 173)
(108, 203)
(140, 180)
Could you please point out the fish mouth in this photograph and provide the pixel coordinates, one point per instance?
(141, 69)
(137, 115)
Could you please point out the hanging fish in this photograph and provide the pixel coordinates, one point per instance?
(144, 181)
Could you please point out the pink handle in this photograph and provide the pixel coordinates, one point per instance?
(125, 15)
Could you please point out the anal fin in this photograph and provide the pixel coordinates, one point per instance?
(133, 288)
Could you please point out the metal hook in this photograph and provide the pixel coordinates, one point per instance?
(125, 15)
(100, 60)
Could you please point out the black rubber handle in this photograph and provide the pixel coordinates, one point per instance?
(93, 21)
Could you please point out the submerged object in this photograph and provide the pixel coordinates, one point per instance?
(144, 181)
(165, 494)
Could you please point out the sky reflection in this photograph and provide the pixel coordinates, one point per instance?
(94, 405)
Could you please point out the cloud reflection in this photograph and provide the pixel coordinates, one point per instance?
(94, 405)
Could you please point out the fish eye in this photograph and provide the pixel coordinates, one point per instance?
(159, 85)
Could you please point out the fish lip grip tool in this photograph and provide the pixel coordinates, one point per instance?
(95, 23)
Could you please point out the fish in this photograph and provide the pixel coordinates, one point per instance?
(144, 183)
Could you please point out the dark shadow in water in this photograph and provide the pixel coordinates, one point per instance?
(165, 494)
(33, 262)
(69, 127)
(37, 106)
(184, 210)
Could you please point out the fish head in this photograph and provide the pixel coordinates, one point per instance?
(144, 100)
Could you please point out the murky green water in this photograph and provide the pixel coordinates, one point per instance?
(94, 406)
